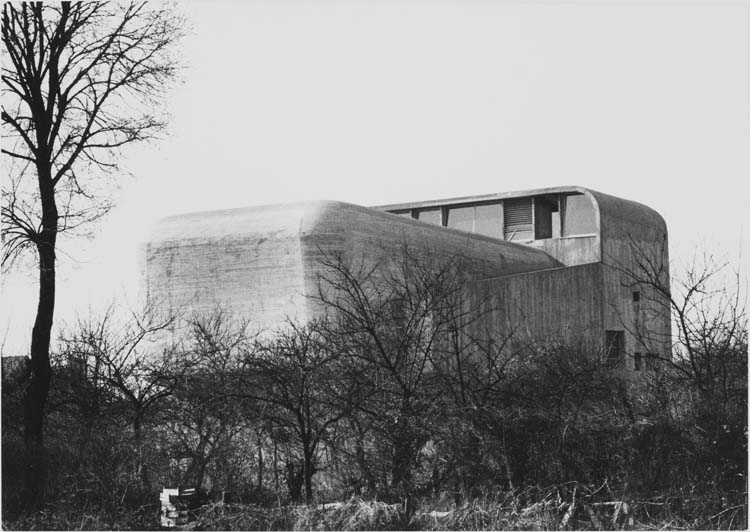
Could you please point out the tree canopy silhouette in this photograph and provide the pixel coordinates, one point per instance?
(80, 81)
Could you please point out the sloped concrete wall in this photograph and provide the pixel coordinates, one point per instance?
(264, 262)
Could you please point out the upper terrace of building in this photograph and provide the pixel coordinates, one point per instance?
(570, 223)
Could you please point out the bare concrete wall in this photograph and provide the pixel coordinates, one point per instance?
(248, 261)
(572, 250)
(630, 233)
(565, 303)
(263, 262)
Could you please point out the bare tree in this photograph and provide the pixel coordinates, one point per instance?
(702, 379)
(707, 304)
(74, 75)
(208, 411)
(405, 321)
(130, 360)
(306, 388)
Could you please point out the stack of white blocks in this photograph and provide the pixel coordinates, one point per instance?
(171, 515)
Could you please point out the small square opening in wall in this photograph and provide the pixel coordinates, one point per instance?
(636, 297)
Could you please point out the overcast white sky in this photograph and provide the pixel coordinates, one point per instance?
(389, 101)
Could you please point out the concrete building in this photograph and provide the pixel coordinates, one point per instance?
(553, 260)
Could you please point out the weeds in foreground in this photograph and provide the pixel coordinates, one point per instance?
(572, 506)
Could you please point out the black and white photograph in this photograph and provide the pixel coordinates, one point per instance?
(375, 264)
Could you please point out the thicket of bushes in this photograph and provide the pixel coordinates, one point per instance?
(391, 406)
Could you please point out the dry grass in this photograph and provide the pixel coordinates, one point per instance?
(549, 511)
(557, 508)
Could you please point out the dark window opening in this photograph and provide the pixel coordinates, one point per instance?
(636, 297)
(545, 208)
(637, 361)
(518, 219)
(614, 346)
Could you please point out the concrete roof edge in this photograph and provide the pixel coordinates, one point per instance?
(603, 201)
(410, 221)
(313, 212)
(216, 213)
(483, 197)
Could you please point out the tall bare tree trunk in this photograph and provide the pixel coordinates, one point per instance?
(41, 372)
(67, 65)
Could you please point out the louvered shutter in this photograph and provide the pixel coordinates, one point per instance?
(517, 219)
